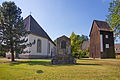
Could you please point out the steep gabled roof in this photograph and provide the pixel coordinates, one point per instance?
(35, 28)
(102, 26)
(64, 37)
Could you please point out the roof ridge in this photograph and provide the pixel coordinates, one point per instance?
(100, 21)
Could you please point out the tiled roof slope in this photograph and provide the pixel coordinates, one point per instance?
(102, 25)
(35, 28)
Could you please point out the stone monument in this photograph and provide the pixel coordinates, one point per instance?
(62, 54)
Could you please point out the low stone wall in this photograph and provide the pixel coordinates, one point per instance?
(63, 59)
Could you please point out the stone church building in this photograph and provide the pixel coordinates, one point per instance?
(43, 43)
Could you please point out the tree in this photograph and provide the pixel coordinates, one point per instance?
(82, 39)
(12, 30)
(2, 54)
(113, 18)
(76, 44)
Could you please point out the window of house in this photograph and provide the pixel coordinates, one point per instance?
(106, 36)
(39, 46)
(107, 46)
(101, 42)
(63, 44)
(49, 48)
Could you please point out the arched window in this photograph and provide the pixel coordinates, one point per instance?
(39, 46)
(63, 44)
(49, 48)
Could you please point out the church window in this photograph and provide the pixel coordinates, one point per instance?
(49, 48)
(39, 46)
(63, 44)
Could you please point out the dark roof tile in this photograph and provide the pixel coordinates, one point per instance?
(34, 27)
(102, 25)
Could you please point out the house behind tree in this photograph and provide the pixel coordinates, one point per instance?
(117, 50)
(101, 40)
(86, 45)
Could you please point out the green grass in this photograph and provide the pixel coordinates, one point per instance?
(117, 58)
(3, 61)
(42, 69)
(1, 57)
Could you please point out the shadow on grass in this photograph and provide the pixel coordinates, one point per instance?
(39, 71)
(46, 63)
(87, 64)
(87, 59)
(24, 69)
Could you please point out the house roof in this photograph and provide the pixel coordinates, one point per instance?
(102, 26)
(64, 37)
(32, 26)
(117, 48)
(85, 45)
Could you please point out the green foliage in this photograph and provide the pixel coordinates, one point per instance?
(76, 44)
(84, 54)
(2, 54)
(113, 17)
(12, 30)
(81, 54)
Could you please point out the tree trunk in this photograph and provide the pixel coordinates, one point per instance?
(12, 51)
(12, 55)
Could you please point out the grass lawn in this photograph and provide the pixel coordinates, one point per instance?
(42, 69)
(1, 57)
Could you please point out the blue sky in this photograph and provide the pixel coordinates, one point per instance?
(62, 17)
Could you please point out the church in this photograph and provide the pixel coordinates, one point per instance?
(43, 43)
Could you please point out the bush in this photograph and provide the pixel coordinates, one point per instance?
(81, 54)
(85, 53)
(2, 54)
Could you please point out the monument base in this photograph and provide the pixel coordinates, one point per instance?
(63, 59)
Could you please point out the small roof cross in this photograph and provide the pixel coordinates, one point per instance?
(30, 12)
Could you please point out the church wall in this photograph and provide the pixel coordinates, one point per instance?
(33, 49)
(52, 47)
(44, 48)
